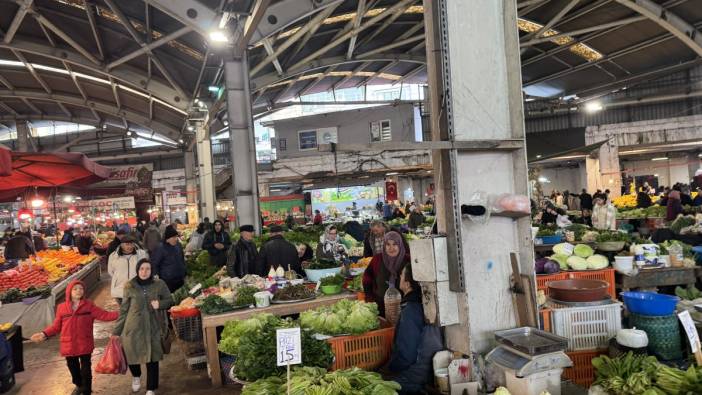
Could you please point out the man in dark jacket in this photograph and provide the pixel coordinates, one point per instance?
(416, 218)
(168, 261)
(278, 252)
(68, 239)
(241, 258)
(19, 247)
(114, 244)
(152, 238)
(84, 242)
(217, 243)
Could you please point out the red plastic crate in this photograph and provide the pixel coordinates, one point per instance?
(582, 373)
(542, 280)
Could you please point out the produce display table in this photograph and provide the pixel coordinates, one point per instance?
(36, 316)
(649, 278)
(211, 322)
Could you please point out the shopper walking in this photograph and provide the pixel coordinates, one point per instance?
(142, 318)
(196, 239)
(121, 266)
(242, 256)
(384, 270)
(217, 243)
(152, 237)
(74, 321)
(375, 239)
(168, 260)
(278, 252)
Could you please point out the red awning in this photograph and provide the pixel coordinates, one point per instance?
(5, 162)
(37, 169)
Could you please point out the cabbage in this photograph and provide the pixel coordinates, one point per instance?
(233, 330)
(563, 249)
(561, 259)
(552, 267)
(597, 262)
(583, 250)
(577, 263)
(502, 391)
(345, 316)
(539, 265)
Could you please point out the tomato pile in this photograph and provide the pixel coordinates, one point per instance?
(22, 278)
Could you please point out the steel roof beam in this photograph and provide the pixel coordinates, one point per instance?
(31, 106)
(354, 32)
(531, 6)
(669, 21)
(251, 23)
(392, 45)
(317, 81)
(188, 12)
(272, 78)
(269, 50)
(553, 20)
(64, 36)
(126, 74)
(139, 40)
(603, 26)
(377, 73)
(32, 71)
(385, 25)
(360, 12)
(24, 7)
(9, 109)
(285, 13)
(151, 46)
(410, 74)
(100, 106)
(90, 12)
(324, 14)
(353, 73)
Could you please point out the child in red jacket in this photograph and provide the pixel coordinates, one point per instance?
(74, 321)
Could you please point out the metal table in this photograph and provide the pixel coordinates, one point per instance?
(211, 322)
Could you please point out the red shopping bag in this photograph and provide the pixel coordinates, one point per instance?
(113, 360)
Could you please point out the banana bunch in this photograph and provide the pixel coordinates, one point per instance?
(5, 327)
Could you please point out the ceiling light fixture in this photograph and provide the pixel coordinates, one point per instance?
(218, 36)
(181, 141)
(660, 159)
(593, 106)
(191, 128)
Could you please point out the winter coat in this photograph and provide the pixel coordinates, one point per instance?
(241, 259)
(152, 238)
(586, 201)
(415, 220)
(168, 262)
(217, 257)
(414, 346)
(84, 244)
(76, 327)
(19, 247)
(68, 239)
(113, 246)
(604, 217)
(643, 200)
(376, 279)
(276, 252)
(122, 268)
(139, 324)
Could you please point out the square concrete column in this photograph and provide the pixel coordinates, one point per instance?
(205, 173)
(604, 171)
(22, 135)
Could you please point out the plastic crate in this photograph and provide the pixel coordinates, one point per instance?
(582, 373)
(188, 329)
(586, 328)
(368, 351)
(197, 363)
(604, 275)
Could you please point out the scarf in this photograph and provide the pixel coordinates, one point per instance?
(149, 280)
(394, 264)
(330, 246)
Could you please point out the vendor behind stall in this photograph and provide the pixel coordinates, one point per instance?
(68, 238)
(373, 244)
(242, 256)
(84, 242)
(384, 269)
(19, 247)
(329, 247)
(673, 206)
(416, 218)
(278, 252)
(415, 342)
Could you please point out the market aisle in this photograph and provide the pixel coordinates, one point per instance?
(46, 373)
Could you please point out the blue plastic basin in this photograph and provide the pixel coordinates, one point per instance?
(649, 303)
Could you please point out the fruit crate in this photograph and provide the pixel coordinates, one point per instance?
(368, 351)
(607, 275)
(582, 372)
(586, 328)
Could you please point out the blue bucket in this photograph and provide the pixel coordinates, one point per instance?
(649, 303)
(550, 239)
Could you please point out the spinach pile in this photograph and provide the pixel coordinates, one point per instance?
(215, 304)
(245, 296)
(613, 236)
(293, 292)
(627, 374)
(336, 279)
(315, 381)
(320, 264)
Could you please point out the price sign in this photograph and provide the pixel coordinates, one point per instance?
(288, 346)
(690, 329)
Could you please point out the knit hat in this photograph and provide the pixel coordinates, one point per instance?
(128, 239)
(246, 228)
(170, 232)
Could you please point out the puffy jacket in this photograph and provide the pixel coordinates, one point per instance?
(122, 268)
(276, 252)
(152, 238)
(168, 262)
(84, 244)
(414, 346)
(76, 327)
(217, 257)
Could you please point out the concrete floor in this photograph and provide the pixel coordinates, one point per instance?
(46, 372)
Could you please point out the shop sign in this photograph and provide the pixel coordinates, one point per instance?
(177, 201)
(141, 194)
(132, 174)
(121, 203)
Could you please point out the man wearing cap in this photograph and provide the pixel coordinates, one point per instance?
(242, 256)
(112, 247)
(278, 252)
(168, 261)
(122, 265)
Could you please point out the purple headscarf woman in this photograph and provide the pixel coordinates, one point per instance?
(393, 255)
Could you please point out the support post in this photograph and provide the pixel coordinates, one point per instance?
(242, 142)
(205, 172)
(190, 179)
(604, 171)
(22, 135)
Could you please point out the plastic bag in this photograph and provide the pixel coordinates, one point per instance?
(113, 360)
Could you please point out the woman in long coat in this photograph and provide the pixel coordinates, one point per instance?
(140, 323)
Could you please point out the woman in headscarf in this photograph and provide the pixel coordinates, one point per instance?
(217, 243)
(329, 247)
(141, 320)
(673, 206)
(384, 269)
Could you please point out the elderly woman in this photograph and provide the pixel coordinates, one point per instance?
(373, 244)
(141, 319)
(329, 247)
(384, 269)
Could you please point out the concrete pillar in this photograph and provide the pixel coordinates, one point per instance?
(191, 190)
(242, 142)
(205, 173)
(604, 171)
(22, 136)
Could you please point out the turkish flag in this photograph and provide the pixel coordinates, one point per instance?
(390, 190)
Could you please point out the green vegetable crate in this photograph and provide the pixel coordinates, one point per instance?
(368, 351)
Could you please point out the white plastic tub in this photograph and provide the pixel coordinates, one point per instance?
(624, 264)
(534, 384)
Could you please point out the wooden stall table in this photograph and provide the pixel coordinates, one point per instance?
(211, 322)
(649, 278)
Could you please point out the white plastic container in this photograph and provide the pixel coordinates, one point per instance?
(587, 328)
(263, 299)
(534, 384)
(624, 264)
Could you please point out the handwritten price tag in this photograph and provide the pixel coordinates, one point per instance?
(690, 329)
(288, 346)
